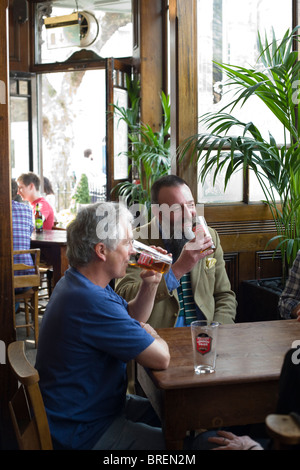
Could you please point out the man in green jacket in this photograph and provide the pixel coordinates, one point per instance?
(197, 285)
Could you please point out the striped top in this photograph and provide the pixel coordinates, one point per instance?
(186, 300)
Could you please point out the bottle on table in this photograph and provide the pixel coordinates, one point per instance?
(38, 219)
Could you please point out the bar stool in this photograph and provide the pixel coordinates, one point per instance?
(284, 429)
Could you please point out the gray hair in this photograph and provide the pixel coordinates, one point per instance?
(95, 223)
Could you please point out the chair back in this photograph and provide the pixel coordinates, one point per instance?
(30, 279)
(27, 408)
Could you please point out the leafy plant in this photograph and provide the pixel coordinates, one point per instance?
(82, 195)
(277, 167)
(149, 150)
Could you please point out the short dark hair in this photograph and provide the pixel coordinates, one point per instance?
(30, 177)
(165, 181)
(14, 188)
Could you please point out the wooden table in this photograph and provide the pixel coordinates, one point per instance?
(243, 390)
(53, 246)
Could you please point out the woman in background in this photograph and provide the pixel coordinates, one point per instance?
(49, 195)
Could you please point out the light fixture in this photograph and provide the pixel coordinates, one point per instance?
(76, 29)
(61, 21)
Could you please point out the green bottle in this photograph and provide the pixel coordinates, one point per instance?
(38, 222)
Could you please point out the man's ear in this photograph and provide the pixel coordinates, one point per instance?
(101, 250)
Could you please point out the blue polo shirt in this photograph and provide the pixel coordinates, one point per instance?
(85, 341)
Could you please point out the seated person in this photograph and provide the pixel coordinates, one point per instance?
(29, 190)
(289, 302)
(49, 194)
(22, 226)
(14, 191)
(288, 404)
(197, 285)
(89, 333)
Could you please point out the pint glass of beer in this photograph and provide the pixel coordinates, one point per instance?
(146, 257)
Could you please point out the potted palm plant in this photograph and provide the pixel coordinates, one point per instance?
(149, 150)
(276, 165)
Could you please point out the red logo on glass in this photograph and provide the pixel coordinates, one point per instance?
(203, 343)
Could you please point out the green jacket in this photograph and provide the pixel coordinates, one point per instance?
(210, 285)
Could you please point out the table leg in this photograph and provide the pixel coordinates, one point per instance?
(174, 431)
(59, 263)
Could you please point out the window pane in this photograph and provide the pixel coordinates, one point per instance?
(256, 193)
(73, 140)
(19, 129)
(212, 193)
(106, 31)
(120, 137)
(227, 32)
(23, 87)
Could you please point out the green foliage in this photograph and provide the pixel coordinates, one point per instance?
(277, 167)
(149, 151)
(82, 195)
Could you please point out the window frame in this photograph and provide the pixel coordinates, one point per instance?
(30, 78)
(246, 178)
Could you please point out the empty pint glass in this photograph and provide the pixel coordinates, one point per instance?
(149, 258)
(204, 342)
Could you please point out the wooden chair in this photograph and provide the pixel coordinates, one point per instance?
(27, 408)
(46, 273)
(284, 430)
(30, 296)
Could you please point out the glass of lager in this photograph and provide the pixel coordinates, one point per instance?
(146, 257)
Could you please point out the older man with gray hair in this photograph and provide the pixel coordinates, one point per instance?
(89, 333)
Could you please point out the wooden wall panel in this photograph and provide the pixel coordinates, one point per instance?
(7, 332)
(151, 61)
(184, 82)
(267, 264)
(232, 268)
(18, 41)
(245, 230)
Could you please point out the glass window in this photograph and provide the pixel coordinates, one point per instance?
(19, 139)
(61, 31)
(73, 113)
(23, 87)
(23, 142)
(227, 33)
